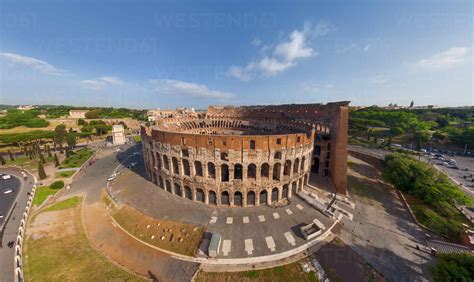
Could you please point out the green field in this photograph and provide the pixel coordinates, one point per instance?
(42, 193)
(65, 174)
(66, 204)
(77, 158)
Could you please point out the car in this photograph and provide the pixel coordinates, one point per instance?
(424, 151)
(7, 191)
(1, 216)
(117, 150)
(6, 176)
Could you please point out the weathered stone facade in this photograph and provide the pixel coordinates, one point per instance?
(247, 156)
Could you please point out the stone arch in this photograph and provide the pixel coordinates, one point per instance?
(168, 185)
(188, 193)
(211, 170)
(186, 169)
(200, 195)
(265, 170)
(177, 189)
(198, 168)
(212, 198)
(275, 195)
(284, 194)
(225, 198)
(251, 198)
(287, 168)
(303, 160)
(293, 188)
(238, 199)
(315, 165)
(166, 162)
(175, 166)
(263, 197)
(224, 173)
(277, 155)
(158, 160)
(238, 171)
(296, 166)
(252, 171)
(160, 179)
(276, 171)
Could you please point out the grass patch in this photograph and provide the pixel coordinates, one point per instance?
(65, 174)
(42, 193)
(289, 272)
(77, 158)
(137, 138)
(63, 253)
(66, 204)
(24, 162)
(144, 227)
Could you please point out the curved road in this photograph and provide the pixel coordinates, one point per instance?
(10, 224)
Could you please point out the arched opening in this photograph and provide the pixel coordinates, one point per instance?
(211, 170)
(188, 193)
(212, 198)
(275, 195)
(276, 171)
(287, 168)
(177, 189)
(200, 195)
(293, 188)
(277, 155)
(285, 192)
(160, 179)
(303, 160)
(224, 173)
(238, 199)
(168, 186)
(252, 171)
(238, 171)
(198, 168)
(166, 162)
(175, 166)
(317, 150)
(224, 156)
(158, 160)
(265, 170)
(225, 201)
(315, 165)
(263, 197)
(251, 198)
(186, 169)
(296, 166)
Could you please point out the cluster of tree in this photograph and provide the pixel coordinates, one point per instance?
(17, 138)
(116, 113)
(421, 180)
(15, 118)
(97, 126)
(454, 267)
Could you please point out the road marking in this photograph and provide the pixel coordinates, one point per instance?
(289, 212)
(270, 243)
(213, 220)
(230, 220)
(300, 207)
(226, 247)
(245, 219)
(261, 218)
(248, 246)
(290, 238)
(276, 215)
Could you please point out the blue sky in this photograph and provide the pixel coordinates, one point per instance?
(148, 54)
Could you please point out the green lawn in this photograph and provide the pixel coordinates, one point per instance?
(66, 204)
(77, 158)
(42, 192)
(65, 174)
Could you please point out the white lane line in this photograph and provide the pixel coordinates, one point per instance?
(270, 243)
(290, 238)
(226, 247)
(249, 246)
(213, 220)
(230, 220)
(276, 215)
(289, 212)
(245, 219)
(261, 218)
(300, 207)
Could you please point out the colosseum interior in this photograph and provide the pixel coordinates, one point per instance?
(250, 155)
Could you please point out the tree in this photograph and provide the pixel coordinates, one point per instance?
(41, 157)
(41, 172)
(71, 140)
(454, 267)
(48, 149)
(67, 153)
(60, 134)
(2, 160)
(396, 131)
(56, 161)
(93, 114)
(12, 158)
(81, 122)
(412, 104)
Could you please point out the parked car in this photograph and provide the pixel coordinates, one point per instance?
(7, 191)
(6, 176)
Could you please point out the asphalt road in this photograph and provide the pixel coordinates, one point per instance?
(7, 200)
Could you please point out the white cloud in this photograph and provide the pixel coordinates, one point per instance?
(450, 58)
(101, 82)
(175, 87)
(285, 54)
(31, 63)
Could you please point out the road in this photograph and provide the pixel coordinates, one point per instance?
(7, 200)
(22, 188)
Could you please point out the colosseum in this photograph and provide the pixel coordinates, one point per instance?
(249, 155)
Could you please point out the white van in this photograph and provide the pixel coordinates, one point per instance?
(6, 176)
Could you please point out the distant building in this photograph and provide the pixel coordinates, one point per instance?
(118, 134)
(26, 107)
(427, 107)
(78, 113)
(154, 115)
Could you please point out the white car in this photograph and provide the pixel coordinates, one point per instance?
(7, 191)
(1, 216)
(6, 176)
